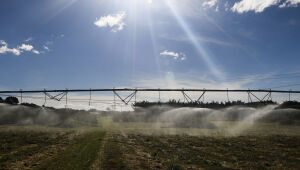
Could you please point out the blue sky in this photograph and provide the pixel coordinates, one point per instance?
(141, 43)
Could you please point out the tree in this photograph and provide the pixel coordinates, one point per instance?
(1, 100)
(11, 100)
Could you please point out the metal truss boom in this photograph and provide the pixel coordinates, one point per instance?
(58, 95)
(146, 90)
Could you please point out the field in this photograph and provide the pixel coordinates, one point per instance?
(130, 145)
(187, 152)
(48, 148)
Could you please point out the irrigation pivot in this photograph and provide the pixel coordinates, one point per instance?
(149, 90)
(63, 93)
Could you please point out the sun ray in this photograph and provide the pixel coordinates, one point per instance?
(61, 6)
(201, 51)
(153, 40)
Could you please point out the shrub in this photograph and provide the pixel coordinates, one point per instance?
(11, 100)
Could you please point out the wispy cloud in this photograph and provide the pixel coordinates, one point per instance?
(175, 55)
(28, 39)
(290, 3)
(177, 80)
(114, 21)
(35, 51)
(46, 48)
(194, 80)
(226, 6)
(183, 56)
(209, 3)
(49, 43)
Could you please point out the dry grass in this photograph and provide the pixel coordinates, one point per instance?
(148, 146)
(187, 152)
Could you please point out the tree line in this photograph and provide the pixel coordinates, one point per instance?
(200, 104)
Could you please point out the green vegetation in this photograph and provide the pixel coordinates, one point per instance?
(23, 147)
(112, 157)
(79, 154)
(290, 104)
(49, 148)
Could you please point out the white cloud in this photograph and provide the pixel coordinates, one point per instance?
(4, 49)
(26, 47)
(170, 53)
(3, 42)
(175, 55)
(210, 3)
(253, 5)
(194, 8)
(114, 21)
(290, 3)
(16, 51)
